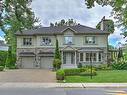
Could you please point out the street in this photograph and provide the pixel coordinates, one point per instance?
(63, 91)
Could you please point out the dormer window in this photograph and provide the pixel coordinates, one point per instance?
(46, 41)
(68, 40)
(27, 41)
(90, 40)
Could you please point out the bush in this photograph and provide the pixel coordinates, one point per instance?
(80, 65)
(3, 56)
(60, 74)
(56, 64)
(73, 71)
(1, 68)
(88, 73)
(89, 67)
(103, 67)
(119, 65)
(12, 67)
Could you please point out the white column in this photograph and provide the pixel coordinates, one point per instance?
(97, 56)
(75, 58)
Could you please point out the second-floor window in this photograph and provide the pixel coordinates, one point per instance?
(27, 41)
(46, 41)
(90, 40)
(68, 40)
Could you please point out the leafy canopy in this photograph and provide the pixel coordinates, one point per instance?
(69, 22)
(16, 15)
(119, 11)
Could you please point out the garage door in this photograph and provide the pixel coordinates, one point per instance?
(46, 62)
(27, 62)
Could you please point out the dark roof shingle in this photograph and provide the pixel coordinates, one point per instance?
(59, 30)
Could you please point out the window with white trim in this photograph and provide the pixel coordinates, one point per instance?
(27, 41)
(81, 56)
(46, 41)
(68, 40)
(90, 57)
(90, 40)
(100, 56)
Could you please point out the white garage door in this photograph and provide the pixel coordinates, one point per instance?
(27, 62)
(46, 62)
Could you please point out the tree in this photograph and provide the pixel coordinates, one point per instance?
(120, 54)
(57, 57)
(57, 51)
(17, 16)
(119, 11)
(9, 60)
(69, 22)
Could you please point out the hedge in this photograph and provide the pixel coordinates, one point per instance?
(60, 74)
(1, 68)
(73, 71)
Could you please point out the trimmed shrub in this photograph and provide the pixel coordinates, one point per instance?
(83, 69)
(73, 71)
(60, 74)
(80, 65)
(12, 67)
(1, 68)
(56, 64)
(88, 73)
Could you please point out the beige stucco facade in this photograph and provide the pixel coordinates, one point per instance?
(78, 46)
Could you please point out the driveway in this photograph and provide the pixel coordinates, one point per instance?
(28, 75)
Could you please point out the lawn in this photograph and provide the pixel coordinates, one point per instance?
(101, 77)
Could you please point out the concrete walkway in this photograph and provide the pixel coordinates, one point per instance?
(62, 85)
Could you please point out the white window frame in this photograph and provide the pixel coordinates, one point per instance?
(93, 40)
(27, 41)
(71, 40)
(92, 58)
(43, 43)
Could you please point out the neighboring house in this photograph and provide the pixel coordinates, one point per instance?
(3, 46)
(35, 48)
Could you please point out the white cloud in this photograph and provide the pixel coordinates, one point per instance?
(117, 37)
(54, 10)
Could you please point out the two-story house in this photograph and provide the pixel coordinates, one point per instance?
(35, 48)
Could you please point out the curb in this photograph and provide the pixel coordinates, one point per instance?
(62, 85)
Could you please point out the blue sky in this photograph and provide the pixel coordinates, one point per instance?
(55, 10)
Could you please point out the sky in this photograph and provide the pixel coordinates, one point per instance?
(54, 10)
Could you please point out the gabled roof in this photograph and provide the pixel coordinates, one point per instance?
(78, 29)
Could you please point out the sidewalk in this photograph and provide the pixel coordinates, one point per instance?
(62, 85)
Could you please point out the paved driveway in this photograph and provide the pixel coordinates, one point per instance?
(28, 75)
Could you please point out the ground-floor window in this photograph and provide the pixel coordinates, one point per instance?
(81, 56)
(88, 56)
(100, 56)
(91, 57)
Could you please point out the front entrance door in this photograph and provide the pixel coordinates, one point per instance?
(68, 58)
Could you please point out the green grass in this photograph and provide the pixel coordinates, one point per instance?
(101, 77)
